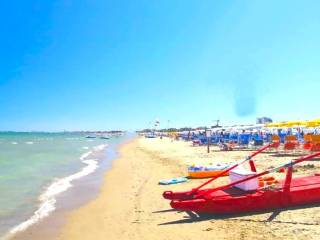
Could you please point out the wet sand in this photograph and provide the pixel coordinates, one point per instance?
(130, 205)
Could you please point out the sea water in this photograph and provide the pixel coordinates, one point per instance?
(35, 168)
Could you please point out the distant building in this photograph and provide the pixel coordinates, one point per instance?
(263, 120)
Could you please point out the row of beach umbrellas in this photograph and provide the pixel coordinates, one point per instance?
(291, 124)
(311, 124)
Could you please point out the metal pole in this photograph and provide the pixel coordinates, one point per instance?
(208, 142)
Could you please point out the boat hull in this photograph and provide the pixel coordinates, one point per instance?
(304, 190)
(206, 174)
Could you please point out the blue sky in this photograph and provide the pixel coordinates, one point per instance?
(98, 64)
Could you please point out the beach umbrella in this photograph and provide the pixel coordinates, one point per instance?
(295, 123)
(313, 123)
(288, 124)
(272, 125)
(316, 122)
(283, 124)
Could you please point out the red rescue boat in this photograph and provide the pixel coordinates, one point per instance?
(189, 194)
(229, 199)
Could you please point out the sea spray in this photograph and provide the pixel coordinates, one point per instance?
(48, 198)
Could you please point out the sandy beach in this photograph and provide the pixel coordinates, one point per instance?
(130, 203)
(103, 103)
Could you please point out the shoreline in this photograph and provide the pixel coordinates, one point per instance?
(130, 204)
(73, 197)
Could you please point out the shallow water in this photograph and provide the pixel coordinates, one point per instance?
(36, 168)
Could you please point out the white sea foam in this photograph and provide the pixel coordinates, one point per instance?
(14, 143)
(29, 143)
(85, 155)
(48, 198)
(100, 147)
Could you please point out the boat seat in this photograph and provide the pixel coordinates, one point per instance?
(233, 191)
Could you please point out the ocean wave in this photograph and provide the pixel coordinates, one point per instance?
(100, 147)
(48, 198)
(85, 155)
(14, 143)
(29, 143)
